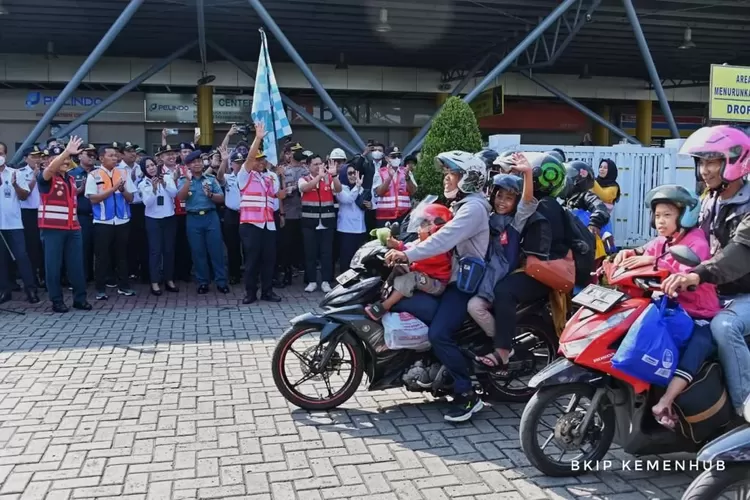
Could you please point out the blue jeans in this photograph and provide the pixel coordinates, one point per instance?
(162, 234)
(204, 236)
(698, 348)
(444, 315)
(17, 243)
(59, 244)
(729, 329)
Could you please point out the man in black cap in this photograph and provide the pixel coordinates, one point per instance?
(137, 244)
(86, 163)
(29, 211)
(227, 177)
(185, 148)
(183, 260)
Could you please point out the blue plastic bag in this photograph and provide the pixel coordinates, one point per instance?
(677, 322)
(648, 352)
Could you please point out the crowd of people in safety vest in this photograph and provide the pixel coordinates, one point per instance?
(73, 213)
(76, 213)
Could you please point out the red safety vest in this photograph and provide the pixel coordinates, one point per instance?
(256, 204)
(396, 201)
(318, 205)
(58, 207)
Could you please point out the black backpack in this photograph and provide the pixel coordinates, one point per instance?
(583, 245)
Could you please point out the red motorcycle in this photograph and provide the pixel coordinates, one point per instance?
(619, 406)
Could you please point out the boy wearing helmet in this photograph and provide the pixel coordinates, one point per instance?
(674, 215)
(513, 202)
(430, 275)
(722, 160)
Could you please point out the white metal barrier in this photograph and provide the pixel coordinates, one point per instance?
(639, 170)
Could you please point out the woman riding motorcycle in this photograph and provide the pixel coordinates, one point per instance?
(722, 160)
(468, 234)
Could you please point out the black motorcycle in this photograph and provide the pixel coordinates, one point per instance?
(729, 475)
(344, 338)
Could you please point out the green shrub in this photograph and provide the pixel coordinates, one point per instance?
(454, 128)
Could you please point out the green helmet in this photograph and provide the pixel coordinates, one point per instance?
(548, 172)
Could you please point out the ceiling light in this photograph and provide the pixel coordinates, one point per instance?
(687, 42)
(3, 10)
(342, 62)
(383, 26)
(206, 79)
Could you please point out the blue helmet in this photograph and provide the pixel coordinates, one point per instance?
(688, 203)
(508, 182)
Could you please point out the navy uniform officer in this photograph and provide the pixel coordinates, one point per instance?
(86, 163)
(202, 194)
(227, 177)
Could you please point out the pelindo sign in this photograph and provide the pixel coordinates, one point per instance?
(36, 99)
(730, 93)
(184, 108)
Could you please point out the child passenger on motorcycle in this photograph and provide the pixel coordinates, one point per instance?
(513, 202)
(675, 216)
(429, 275)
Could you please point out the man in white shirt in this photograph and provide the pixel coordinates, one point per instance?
(137, 244)
(13, 189)
(29, 211)
(227, 177)
(110, 192)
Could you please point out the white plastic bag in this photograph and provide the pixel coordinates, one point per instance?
(404, 331)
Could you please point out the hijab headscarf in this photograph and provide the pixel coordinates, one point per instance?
(610, 179)
(343, 178)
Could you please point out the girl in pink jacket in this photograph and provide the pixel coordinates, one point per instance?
(674, 214)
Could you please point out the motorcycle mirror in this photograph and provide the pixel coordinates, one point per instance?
(684, 255)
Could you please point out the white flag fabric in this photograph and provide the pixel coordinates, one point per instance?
(267, 105)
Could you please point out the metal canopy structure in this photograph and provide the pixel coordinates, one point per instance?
(439, 34)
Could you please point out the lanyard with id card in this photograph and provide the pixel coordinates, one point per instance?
(6, 189)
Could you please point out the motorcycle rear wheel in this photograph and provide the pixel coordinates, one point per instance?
(285, 387)
(714, 483)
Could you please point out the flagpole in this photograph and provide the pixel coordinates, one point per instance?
(264, 41)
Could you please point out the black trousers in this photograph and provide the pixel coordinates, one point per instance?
(29, 218)
(138, 254)
(259, 247)
(105, 236)
(318, 248)
(231, 229)
(349, 243)
(291, 244)
(183, 268)
(512, 290)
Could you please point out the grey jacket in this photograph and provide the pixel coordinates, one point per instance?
(468, 233)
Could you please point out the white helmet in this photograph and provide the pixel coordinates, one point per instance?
(472, 169)
(337, 154)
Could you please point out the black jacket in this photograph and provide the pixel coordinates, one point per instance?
(544, 235)
(592, 204)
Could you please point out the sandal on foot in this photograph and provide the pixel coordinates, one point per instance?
(666, 418)
(375, 311)
(497, 366)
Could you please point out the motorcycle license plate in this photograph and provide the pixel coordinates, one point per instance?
(346, 277)
(598, 298)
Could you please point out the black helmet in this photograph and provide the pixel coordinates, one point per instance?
(558, 153)
(487, 156)
(674, 194)
(581, 176)
(508, 182)
(548, 172)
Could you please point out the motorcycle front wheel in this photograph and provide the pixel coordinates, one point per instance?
(732, 483)
(298, 351)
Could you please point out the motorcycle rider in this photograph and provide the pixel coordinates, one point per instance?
(587, 206)
(467, 233)
(722, 160)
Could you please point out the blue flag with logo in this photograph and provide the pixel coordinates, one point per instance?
(267, 105)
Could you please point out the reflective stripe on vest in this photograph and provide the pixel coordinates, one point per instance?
(256, 203)
(58, 207)
(179, 205)
(114, 206)
(396, 201)
(319, 203)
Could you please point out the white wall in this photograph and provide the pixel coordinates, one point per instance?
(31, 68)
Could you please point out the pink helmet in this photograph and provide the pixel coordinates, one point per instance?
(721, 142)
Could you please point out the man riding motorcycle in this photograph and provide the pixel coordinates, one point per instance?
(722, 160)
(467, 233)
(578, 195)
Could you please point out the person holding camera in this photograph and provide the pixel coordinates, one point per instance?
(393, 186)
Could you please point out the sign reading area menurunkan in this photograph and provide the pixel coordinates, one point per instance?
(730, 93)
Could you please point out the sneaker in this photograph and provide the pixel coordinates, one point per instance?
(311, 287)
(325, 287)
(464, 407)
(126, 292)
(101, 296)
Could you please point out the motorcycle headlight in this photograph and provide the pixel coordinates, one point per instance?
(575, 347)
(746, 409)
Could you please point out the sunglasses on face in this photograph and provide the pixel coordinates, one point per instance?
(351, 173)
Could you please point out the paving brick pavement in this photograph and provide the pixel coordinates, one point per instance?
(172, 398)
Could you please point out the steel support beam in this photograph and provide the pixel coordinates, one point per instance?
(289, 102)
(419, 138)
(580, 107)
(640, 38)
(127, 88)
(294, 55)
(201, 31)
(84, 70)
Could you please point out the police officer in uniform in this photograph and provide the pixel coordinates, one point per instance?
(202, 194)
(29, 215)
(227, 177)
(86, 163)
(59, 227)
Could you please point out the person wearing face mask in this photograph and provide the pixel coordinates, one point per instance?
(466, 235)
(183, 257)
(392, 187)
(290, 253)
(29, 211)
(86, 163)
